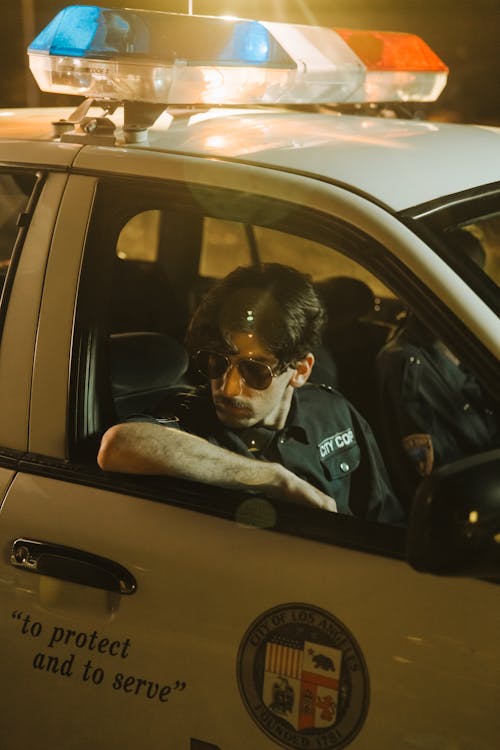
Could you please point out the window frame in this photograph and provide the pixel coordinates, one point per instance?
(89, 361)
(431, 221)
(23, 223)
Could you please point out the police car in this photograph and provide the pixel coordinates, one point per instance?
(146, 609)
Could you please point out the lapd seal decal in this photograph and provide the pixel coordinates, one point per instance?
(303, 678)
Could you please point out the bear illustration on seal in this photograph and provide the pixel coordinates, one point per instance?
(321, 661)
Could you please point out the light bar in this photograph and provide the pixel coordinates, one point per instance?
(172, 58)
(399, 67)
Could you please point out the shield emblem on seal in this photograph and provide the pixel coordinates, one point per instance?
(301, 683)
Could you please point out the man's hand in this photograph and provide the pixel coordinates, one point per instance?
(296, 490)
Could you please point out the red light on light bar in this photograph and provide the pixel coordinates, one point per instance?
(392, 51)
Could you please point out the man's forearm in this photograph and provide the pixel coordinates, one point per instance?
(147, 448)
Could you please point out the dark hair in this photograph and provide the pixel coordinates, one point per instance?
(276, 302)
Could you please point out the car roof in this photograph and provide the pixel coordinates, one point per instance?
(399, 163)
(394, 162)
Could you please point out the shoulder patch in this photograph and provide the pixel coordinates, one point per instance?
(420, 451)
(303, 678)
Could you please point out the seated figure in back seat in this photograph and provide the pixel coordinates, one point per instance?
(433, 411)
(252, 337)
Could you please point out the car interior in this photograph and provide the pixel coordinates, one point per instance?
(165, 260)
(149, 313)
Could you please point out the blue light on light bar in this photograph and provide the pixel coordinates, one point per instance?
(75, 32)
(102, 33)
(71, 32)
(250, 42)
(173, 58)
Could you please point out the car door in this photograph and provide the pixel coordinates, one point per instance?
(195, 617)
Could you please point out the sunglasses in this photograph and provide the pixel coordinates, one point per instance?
(257, 375)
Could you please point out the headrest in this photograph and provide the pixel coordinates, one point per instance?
(143, 365)
(345, 299)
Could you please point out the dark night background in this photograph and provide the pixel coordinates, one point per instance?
(465, 34)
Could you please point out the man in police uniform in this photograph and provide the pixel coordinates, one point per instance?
(253, 337)
(434, 410)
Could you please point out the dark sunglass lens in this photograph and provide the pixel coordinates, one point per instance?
(256, 374)
(211, 364)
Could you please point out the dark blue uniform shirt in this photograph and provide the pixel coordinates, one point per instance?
(325, 441)
(434, 411)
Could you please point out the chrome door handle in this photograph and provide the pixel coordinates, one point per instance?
(69, 564)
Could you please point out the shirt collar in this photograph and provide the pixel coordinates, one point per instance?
(293, 425)
(295, 420)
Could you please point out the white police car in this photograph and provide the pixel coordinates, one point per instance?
(140, 610)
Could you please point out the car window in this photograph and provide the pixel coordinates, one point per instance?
(479, 241)
(138, 240)
(273, 246)
(15, 191)
(467, 235)
(164, 252)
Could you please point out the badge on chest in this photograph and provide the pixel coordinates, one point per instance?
(336, 442)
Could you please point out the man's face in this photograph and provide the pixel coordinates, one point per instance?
(237, 405)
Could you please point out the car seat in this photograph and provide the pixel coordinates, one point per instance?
(143, 299)
(353, 339)
(145, 365)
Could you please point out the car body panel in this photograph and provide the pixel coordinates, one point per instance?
(37, 153)
(49, 397)
(32, 123)
(6, 477)
(20, 328)
(328, 146)
(430, 658)
(333, 146)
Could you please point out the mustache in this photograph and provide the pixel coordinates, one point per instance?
(235, 403)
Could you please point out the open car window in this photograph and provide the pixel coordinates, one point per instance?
(467, 235)
(15, 192)
(153, 254)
